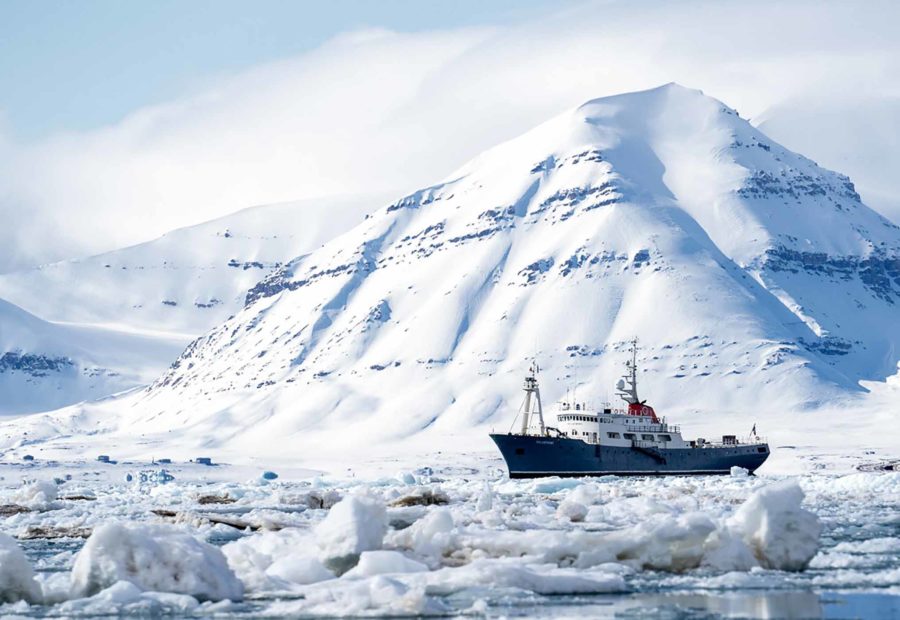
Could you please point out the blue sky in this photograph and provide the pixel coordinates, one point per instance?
(121, 120)
(80, 65)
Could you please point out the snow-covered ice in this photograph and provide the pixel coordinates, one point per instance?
(495, 546)
(157, 558)
(780, 533)
(16, 574)
(353, 525)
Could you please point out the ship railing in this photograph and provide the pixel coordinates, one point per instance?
(656, 428)
(644, 443)
(749, 440)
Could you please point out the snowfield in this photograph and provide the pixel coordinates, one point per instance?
(435, 540)
(87, 328)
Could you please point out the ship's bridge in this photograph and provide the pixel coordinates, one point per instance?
(615, 427)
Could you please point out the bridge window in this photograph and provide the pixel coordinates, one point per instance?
(612, 435)
(665, 438)
(647, 437)
(629, 435)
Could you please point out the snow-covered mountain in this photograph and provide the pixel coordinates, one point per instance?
(756, 281)
(188, 280)
(87, 328)
(45, 365)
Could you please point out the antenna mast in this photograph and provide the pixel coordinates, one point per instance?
(627, 385)
(532, 390)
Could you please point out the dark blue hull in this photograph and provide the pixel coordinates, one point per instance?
(529, 456)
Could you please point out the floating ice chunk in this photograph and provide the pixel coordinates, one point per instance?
(873, 545)
(276, 560)
(38, 495)
(379, 595)
(353, 525)
(506, 573)
(384, 562)
(780, 533)
(406, 477)
(664, 542)
(554, 485)
(17, 581)
(586, 494)
(301, 570)
(125, 598)
(739, 472)
(430, 537)
(156, 558)
(571, 510)
(118, 593)
(728, 552)
(485, 499)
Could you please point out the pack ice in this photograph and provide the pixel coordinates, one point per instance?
(371, 553)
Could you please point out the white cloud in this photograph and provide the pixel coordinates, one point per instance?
(378, 110)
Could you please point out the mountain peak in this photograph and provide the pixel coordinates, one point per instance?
(749, 273)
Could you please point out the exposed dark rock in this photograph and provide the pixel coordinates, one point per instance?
(8, 510)
(533, 272)
(216, 519)
(215, 499)
(50, 532)
(322, 500)
(793, 183)
(641, 258)
(425, 497)
(34, 365)
(879, 272)
(583, 350)
(829, 345)
(254, 264)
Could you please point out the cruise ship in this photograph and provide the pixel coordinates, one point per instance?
(631, 440)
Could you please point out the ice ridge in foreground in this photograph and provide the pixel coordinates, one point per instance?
(366, 555)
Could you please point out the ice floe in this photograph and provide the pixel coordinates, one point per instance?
(17, 581)
(353, 525)
(153, 558)
(337, 546)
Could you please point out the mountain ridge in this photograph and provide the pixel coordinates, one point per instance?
(152, 299)
(749, 273)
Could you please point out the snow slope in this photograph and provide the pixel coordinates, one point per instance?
(117, 320)
(859, 136)
(750, 274)
(44, 366)
(190, 279)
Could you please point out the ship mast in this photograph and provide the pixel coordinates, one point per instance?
(532, 393)
(627, 386)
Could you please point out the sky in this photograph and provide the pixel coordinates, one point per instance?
(82, 65)
(120, 121)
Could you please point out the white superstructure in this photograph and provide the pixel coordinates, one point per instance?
(634, 426)
(637, 425)
(608, 427)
